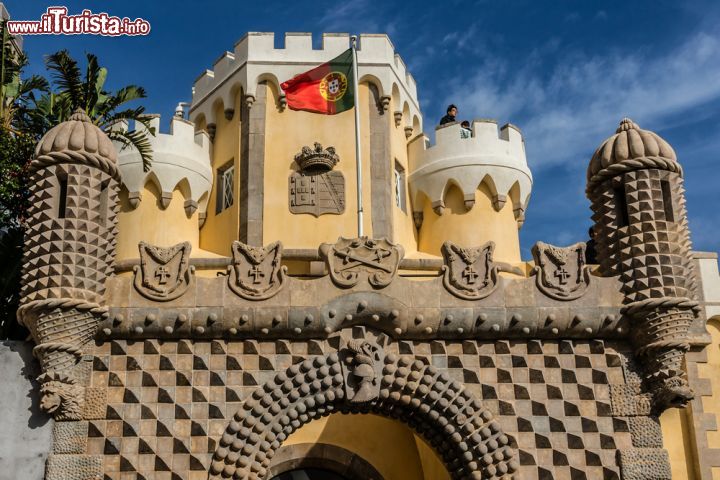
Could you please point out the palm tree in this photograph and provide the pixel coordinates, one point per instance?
(104, 108)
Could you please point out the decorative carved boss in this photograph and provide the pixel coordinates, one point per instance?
(256, 273)
(315, 188)
(350, 260)
(561, 273)
(469, 273)
(164, 274)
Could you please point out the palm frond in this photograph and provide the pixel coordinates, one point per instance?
(66, 76)
(122, 96)
(137, 139)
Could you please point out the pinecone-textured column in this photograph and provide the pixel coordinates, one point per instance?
(69, 250)
(636, 188)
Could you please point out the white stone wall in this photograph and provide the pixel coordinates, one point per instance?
(26, 433)
(255, 59)
(180, 155)
(497, 159)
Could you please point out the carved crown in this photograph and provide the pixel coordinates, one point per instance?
(317, 158)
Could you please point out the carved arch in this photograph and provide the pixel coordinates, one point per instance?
(460, 429)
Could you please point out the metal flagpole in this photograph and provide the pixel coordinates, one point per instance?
(358, 158)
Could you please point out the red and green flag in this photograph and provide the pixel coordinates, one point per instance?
(326, 89)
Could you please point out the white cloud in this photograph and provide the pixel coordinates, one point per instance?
(567, 113)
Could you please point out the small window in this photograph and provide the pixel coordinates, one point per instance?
(225, 187)
(667, 201)
(62, 196)
(400, 187)
(621, 210)
(104, 207)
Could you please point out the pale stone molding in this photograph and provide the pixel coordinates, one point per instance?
(179, 155)
(255, 59)
(499, 161)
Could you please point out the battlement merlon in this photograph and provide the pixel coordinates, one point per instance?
(181, 154)
(497, 159)
(255, 59)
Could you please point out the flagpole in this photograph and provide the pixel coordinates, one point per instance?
(358, 158)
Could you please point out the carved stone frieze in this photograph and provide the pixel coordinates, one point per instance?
(561, 272)
(350, 260)
(256, 272)
(315, 188)
(164, 274)
(469, 273)
(362, 362)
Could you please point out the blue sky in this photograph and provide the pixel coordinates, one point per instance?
(565, 72)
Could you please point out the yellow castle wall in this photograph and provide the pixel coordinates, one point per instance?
(150, 223)
(388, 445)
(471, 228)
(403, 228)
(222, 228)
(283, 139)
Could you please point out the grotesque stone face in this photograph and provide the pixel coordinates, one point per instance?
(62, 400)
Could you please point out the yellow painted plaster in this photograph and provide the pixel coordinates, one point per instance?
(388, 445)
(471, 228)
(283, 139)
(222, 228)
(403, 228)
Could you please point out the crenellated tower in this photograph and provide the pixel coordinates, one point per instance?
(69, 249)
(172, 196)
(635, 185)
(470, 190)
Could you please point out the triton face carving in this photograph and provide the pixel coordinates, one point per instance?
(561, 273)
(315, 188)
(352, 259)
(164, 274)
(361, 361)
(469, 273)
(256, 273)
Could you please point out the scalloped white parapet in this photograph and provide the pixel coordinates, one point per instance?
(255, 59)
(180, 155)
(497, 160)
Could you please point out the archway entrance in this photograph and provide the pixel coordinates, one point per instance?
(361, 378)
(309, 474)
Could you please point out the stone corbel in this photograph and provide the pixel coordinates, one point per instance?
(398, 118)
(438, 207)
(282, 102)
(519, 216)
(211, 128)
(202, 216)
(385, 103)
(498, 202)
(408, 132)
(469, 200)
(190, 207)
(249, 100)
(134, 199)
(229, 113)
(165, 199)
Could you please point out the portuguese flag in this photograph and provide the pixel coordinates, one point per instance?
(326, 89)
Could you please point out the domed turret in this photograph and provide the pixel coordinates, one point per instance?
(69, 243)
(636, 189)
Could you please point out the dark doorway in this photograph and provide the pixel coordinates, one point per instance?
(309, 474)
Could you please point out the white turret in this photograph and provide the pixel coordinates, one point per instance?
(484, 163)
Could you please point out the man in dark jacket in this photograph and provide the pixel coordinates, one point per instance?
(450, 117)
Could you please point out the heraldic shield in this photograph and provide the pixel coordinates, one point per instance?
(256, 272)
(561, 273)
(469, 273)
(351, 259)
(317, 193)
(164, 274)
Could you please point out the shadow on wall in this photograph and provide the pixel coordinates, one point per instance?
(29, 371)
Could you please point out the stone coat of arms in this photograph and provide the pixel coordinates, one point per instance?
(350, 260)
(164, 274)
(561, 273)
(256, 272)
(315, 188)
(469, 273)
